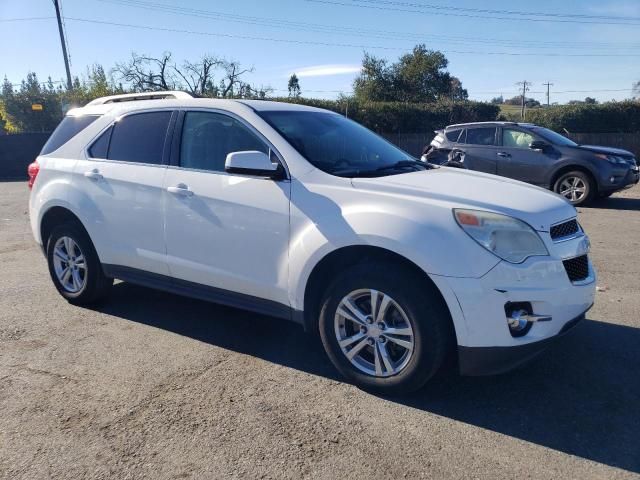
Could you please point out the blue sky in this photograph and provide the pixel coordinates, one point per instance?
(334, 35)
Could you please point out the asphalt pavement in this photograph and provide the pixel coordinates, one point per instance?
(152, 385)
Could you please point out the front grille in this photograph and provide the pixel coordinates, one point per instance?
(577, 268)
(564, 229)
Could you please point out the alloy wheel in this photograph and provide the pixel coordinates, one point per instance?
(69, 264)
(374, 332)
(573, 189)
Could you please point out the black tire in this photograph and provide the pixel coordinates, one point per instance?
(97, 285)
(428, 317)
(585, 178)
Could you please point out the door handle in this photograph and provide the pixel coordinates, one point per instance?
(180, 189)
(93, 174)
(504, 154)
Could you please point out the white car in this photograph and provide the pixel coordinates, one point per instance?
(300, 213)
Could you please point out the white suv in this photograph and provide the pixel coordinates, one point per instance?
(302, 214)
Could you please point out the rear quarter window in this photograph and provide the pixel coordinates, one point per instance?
(68, 128)
(453, 135)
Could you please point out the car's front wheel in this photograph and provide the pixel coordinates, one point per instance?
(74, 265)
(576, 186)
(382, 329)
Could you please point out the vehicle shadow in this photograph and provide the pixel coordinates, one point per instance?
(581, 397)
(616, 203)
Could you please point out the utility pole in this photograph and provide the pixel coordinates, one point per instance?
(525, 87)
(64, 45)
(549, 85)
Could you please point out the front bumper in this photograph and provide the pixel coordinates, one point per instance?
(477, 306)
(622, 179)
(475, 361)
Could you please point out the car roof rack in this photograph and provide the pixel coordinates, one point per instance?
(131, 97)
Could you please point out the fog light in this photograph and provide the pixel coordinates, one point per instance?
(518, 323)
(520, 318)
(613, 179)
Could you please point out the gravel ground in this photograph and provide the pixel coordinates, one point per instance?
(151, 385)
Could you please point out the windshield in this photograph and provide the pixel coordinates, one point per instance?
(340, 146)
(554, 137)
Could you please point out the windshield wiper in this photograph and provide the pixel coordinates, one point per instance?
(404, 164)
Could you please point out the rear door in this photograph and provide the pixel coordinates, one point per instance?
(516, 160)
(479, 146)
(122, 178)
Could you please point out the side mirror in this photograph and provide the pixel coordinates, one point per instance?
(252, 163)
(538, 145)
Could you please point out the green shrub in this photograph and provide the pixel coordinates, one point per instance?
(396, 117)
(611, 117)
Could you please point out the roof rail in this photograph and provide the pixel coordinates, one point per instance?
(130, 97)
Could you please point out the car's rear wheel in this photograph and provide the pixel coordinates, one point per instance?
(382, 329)
(74, 265)
(576, 186)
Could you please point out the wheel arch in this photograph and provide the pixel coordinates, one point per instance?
(56, 215)
(348, 256)
(573, 167)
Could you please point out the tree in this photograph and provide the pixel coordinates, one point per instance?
(457, 93)
(517, 100)
(497, 100)
(635, 89)
(144, 73)
(419, 76)
(18, 105)
(590, 101)
(294, 86)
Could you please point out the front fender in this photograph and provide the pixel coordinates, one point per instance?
(443, 250)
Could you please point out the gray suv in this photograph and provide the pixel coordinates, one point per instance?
(536, 155)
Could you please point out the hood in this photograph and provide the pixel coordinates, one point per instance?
(606, 150)
(457, 188)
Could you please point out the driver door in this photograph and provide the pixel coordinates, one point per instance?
(516, 160)
(229, 232)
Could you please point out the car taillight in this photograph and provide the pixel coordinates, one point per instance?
(33, 170)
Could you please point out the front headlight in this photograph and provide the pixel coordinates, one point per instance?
(507, 237)
(613, 159)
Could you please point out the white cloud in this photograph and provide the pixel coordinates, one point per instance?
(327, 70)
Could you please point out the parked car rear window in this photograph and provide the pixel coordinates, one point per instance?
(481, 136)
(207, 139)
(452, 135)
(139, 137)
(68, 128)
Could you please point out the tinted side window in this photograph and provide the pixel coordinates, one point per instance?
(516, 138)
(139, 137)
(481, 136)
(452, 135)
(100, 147)
(68, 128)
(207, 139)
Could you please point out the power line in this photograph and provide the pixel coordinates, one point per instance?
(345, 45)
(25, 19)
(470, 15)
(353, 31)
(501, 12)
